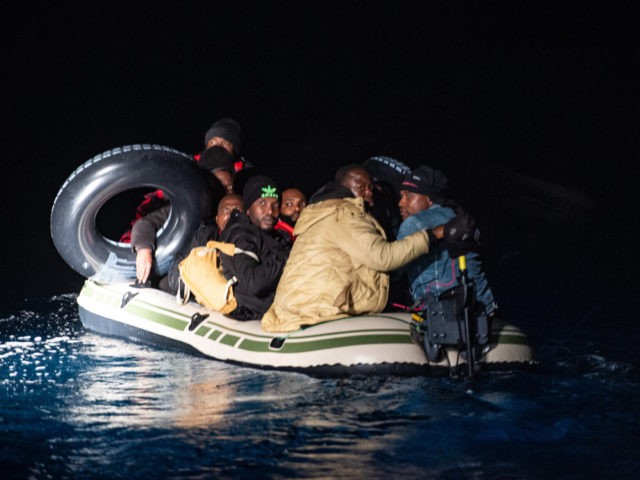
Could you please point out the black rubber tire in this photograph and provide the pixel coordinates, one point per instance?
(387, 170)
(90, 186)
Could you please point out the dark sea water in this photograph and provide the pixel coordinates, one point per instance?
(77, 405)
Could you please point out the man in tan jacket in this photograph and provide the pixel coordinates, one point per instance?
(340, 261)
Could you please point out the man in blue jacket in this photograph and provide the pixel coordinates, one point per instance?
(422, 207)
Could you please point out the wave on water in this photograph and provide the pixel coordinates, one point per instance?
(74, 404)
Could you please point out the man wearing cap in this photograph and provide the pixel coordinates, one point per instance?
(422, 206)
(253, 231)
(340, 260)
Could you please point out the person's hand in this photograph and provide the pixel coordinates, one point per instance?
(144, 261)
(461, 236)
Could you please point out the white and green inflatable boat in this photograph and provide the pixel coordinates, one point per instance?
(377, 343)
(110, 305)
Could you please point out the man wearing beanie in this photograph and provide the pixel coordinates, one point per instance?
(340, 260)
(253, 231)
(422, 206)
(221, 157)
(225, 133)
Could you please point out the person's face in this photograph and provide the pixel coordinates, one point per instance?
(225, 207)
(359, 182)
(221, 142)
(226, 179)
(411, 203)
(293, 202)
(264, 213)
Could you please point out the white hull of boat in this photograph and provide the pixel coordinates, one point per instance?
(379, 343)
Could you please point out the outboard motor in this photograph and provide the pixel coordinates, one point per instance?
(452, 320)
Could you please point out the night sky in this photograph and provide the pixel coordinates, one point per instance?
(529, 108)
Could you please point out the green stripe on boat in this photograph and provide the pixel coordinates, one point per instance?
(230, 340)
(326, 344)
(215, 335)
(156, 317)
(202, 331)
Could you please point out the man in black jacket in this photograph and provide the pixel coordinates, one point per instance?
(253, 231)
(209, 229)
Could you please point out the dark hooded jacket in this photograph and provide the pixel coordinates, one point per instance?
(257, 281)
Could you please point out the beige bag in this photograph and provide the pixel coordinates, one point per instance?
(201, 273)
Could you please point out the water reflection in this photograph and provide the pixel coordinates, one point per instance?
(73, 403)
(131, 385)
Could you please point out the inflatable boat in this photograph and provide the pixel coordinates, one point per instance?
(378, 343)
(111, 304)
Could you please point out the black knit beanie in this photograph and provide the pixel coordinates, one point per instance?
(257, 187)
(228, 129)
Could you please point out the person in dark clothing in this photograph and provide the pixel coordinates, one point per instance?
(386, 175)
(221, 156)
(143, 232)
(219, 163)
(226, 133)
(253, 231)
(292, 204)
(209, 229)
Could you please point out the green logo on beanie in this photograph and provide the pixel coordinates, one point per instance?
(269, 191)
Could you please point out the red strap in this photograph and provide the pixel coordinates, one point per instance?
(281, 225)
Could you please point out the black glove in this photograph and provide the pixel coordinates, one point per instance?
(461, 236)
